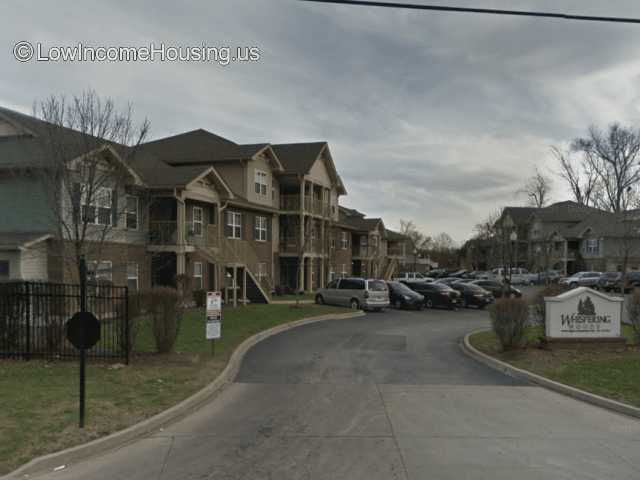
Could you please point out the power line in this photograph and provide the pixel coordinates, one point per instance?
(490, 11)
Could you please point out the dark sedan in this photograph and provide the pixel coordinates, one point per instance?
(609, 281)
(473, 295)
(401, 296)
(436, 294)
(496, 288)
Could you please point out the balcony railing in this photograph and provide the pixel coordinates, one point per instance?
(291, 202)
(164, 232)
(292, 245)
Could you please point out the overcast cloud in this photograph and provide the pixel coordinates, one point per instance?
(434, 117)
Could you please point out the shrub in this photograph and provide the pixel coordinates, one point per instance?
(199, 298)
(509, 318)
(633, 308)
(538, 306)
(165, 308)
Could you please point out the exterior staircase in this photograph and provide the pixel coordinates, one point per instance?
(390, 269)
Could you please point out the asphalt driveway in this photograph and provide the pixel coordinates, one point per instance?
(388, 395)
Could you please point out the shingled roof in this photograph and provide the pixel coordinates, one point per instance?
(298, 158)
(200, 147)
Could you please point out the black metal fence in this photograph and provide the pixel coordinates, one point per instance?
(33, 317)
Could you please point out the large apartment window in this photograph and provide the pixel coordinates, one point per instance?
(102, 270)
(261, 184)
(260, 230)
(4, 269)
(344, 240)
(98, 209)
(132, 276)
(196, 217)
(592, 246)
(197, 275)
(234, 225)
(131, 213)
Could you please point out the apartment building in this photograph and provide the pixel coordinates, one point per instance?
(246, 219)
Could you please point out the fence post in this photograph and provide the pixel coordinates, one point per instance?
(127, 330)
(28, 297)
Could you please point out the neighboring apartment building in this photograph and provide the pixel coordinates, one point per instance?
(369, 245)
(570, 237)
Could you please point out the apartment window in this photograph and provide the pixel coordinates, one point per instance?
(344, 240)
(98, 209)
(333, 240)
(332, 274)
(260, 232)
(102, 270)
(4, 269)
(132, 276)
(363, 241)
(234, 225)
(197, 275)
(374, 241)
(261, 182)
(592, 245)
(262, 271)
(131, 213)
(196, 216)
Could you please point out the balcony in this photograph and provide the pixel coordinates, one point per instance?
(312, 205)
(165, 233)
(291, 245)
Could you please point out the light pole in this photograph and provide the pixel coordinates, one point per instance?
(415, 258)
(513, 237)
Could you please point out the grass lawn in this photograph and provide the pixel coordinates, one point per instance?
(39, 400)
(605, 372)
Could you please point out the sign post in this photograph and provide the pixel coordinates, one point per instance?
(83, 332)
(214, 318)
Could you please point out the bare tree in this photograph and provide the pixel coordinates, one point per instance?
(613, 157)
(409, 229)
(537, 189)
(581, 179)
(89, 146)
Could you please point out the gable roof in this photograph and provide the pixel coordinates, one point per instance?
(298, 159)
(201, 147)
(21, 240)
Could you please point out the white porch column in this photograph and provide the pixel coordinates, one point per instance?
(244, 286)
(235, 286)
(301, 274)
(181, 263)
(309, 267)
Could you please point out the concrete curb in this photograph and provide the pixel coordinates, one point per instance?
(573, 392)
(119, 439)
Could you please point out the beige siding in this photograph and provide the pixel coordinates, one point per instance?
(6, 129)
(262, 163)
(319, 174)
(34, 262)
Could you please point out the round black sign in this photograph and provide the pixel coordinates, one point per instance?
(83, 330)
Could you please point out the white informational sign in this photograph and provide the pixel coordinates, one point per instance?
(214, 315)
(583, 313)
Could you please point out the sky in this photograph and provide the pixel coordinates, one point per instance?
(438, 118)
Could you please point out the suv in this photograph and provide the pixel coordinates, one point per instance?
(582, 279)
(367, 294)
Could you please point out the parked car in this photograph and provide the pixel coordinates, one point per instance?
(548, 276)
(473, 295)
(632, 281)
(609, 281)
(479, 275)
(581, 279)
(496, 288)
(519, 276)
(412, 276)
(401, 296)
(356, 293)
(448, 280)
(435, 294)
(459, 273)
